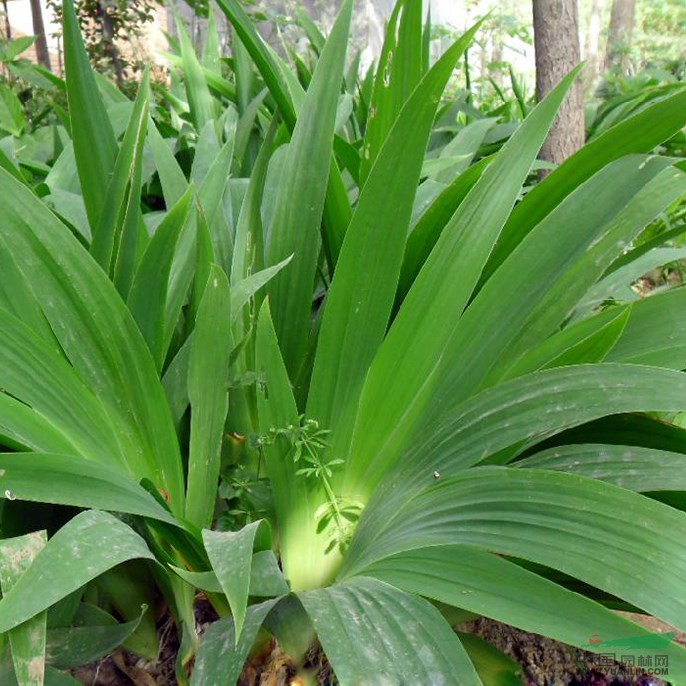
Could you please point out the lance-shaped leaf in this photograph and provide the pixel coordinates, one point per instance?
(361, 295)
(655, 333)
(603, 535)
(28, 640)
(75, 481)
(400, 379)
(373, 633)
(94, 142)
(497, 424)
(300, 202)
(301, 547)
(633, 467)
(221, 655)
(199, 97)
(148, 299)
(588, 341)
(231, 554)
(85, 547)
(571, 248)
(640, 133)
(96, 332)
(120, 211)
(55, 394)
(486, 584)
(95, 634)
(208, 378)
(398, 73)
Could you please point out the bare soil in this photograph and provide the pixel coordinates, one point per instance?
(544, 662)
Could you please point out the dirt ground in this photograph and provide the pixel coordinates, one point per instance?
(544, 662)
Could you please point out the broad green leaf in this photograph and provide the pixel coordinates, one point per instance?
(375, 634)
(86, 642)
(433, 220)
(199, 97)
(96, 332)
(211, 52)
(211, 200)
(23, 429)
(588, 341)
(67, 480)
(231, 554)
(56, 394)
(462, 149)
(571, 248)
(655, 333)
(301, 199)
(401, 378)
(70, 206)
(625, 429)
(88, 545)
(487, 584)
(266, 578)
(16, 298)
(301, 547)
(207, 147)
(398, 73)
(261, 55)
(603, 535)
(243, 290)
(175, 381)
(9, 166)
(128, 589)
(172, 178)
(632, 467)
(248, 254)
(120, 206)
(242, 67)
(27, 640)
(148, 298)
(12, 119)
(221, 656)
(245, 134)
(539, 405)
(94, 141)
(360, 298)
(208, 378)
(494, 667)
(640, 133)
(16, 46)
(661, 239)
(314, 35)
(499, 423)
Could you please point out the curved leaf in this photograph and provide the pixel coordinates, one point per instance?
(632, 467)
(221, 656)
(401, 378)
(374, 634)
(96, 332)
(489, 585)
(85, 547)
(606, 536)
(70, 480)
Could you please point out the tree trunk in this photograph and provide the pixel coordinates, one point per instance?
(619, 35)
(8, 27)
(592, 47)
(109, 47)
(39, 31)
(556, 43)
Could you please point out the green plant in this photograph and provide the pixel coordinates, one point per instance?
(449, 425)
